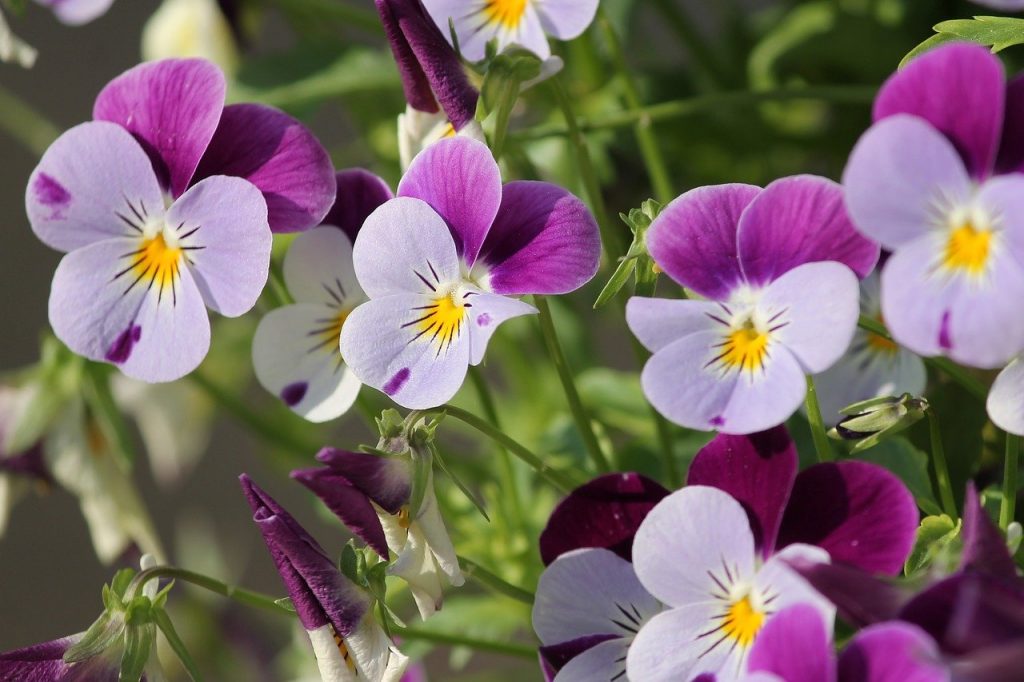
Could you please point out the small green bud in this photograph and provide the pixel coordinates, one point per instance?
(870, 421)
(391, 424)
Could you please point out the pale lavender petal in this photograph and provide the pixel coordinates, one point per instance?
(475, 26)
(892, 652)
(862, 514)
(389, 350)
(360, 193)
(487, 312)
(657, 322)
(1006, 5)
(566, 19)
(77, 12)
(778, 581)
(1011, 147)
(281, 157)
(544, 241)
(984, 549)
(459, 178)
(604, 661)
(799, 220)
(757, 471)
(221, 223)
(694, 238)
(404, 247)
(102, 308)
(93, 183)
(605, 512)
(673, 646)
(956, 73)
(773, 650)
(898, 177)
(1005, 401)
(554, 657)
(172, 106)
(350, 504)
(318, 268)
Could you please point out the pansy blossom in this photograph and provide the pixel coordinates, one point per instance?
(77, 12)
(442, 262)
(778, 267)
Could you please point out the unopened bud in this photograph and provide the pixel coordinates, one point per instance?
(870, 421)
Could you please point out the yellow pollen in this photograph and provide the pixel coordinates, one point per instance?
(157, 262)
(344, 650)
(441, 321)
(968, 249)
(742, 622)
(449, 130)
(506, 12)
(745, 348)
(403, 518)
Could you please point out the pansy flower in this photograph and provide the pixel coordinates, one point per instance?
(777, 267)
(589, 603)
(371, 494)
(338, 615)
(873, 366)
(935, 181)
(77, 12)
(442, 262)
(717, 552)
(44, 662)
(295, 350)
(526, 23)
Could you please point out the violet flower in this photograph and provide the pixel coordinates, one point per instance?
(935, 181)
(717, 552)
(337, 614)
(77, 12)
(1004, 5)
(442, 262)
(44, 662)
(295, 351)
(778, 267)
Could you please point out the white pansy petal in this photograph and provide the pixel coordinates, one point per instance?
(436, 535)
(674, 645)
(1005, 402)
(781, 586)
(606, 661)
(318, 268)
(375, 654)
(487, 312)
(333, 667)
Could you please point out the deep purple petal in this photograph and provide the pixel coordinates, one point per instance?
(991, 664)
(360, 193)
(281, 157)
(555, 656)
(862, 514)
(860, 598)
(387, 481)
(797, 220)
(891, 652)
(984, 547)
(694, 238)
(937, 87)
(348, 503)
(172, 107)
(1011, 148)
(544, 240)
(418, 92)
(774, 650)
(758, 470)
(459, 178)
(602, 513)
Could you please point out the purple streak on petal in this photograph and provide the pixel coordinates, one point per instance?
(891, 652)
(602, 513)
(292, 394)
(1011, 148)
(483, 320)
(281, 157)
(386, 480)
(543, 241)
(121, 349)
(862, 514)
(861, 598)
(757, 470)
(172, 107)
(797, 220)
(414, 82)
(944, 341)
(360, 193)
(985, 549)
(555, 656)
(50, 193)
(936, 86)
(348, 503)
(395, 383)
(774, 650)
(694, 238)
(705, 677)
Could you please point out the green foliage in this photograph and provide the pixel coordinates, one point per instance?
(933, 544)
(998, 33)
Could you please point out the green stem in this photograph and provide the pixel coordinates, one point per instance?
(688, 34)
(579, 412)
(508, 473)
(506, 648)
(276, 287)
(657, 171)
(1007, 510)
(614, 240)
(492, 581)
(681, 108)
(821, 444)
(24, 124)
(941, 469)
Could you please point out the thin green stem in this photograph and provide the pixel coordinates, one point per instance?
(477, 572)
(579, 412)
(276, 287)
(1007, 510)
(821, 444)
(506, 648)
(688, 34)
(24, 124)
(654, 161)
(508, 473)
(941, 468)
(614, 240)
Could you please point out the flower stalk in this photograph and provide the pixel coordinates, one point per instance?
(821, 445)
(1007, 508)
(941, 468)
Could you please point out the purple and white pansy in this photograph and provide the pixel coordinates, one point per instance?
(778, 267)
(77, 12)
(295, 350)
(442, 262)
(338, 615)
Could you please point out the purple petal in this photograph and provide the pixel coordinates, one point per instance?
(228, 242)
(556, 656)
(418, 92)
(773, 650)
(798, 220)
(891, 652)
(543, 241)
(566, 19)
(604, 661)
(459, 178)
(386, 481)
(932, 84)
(487, 312)
(172, 107)
(360, 193)
(861, 598)
(657, 322)
(984, 547)
(757, 470)
(77, 12)
(694, 238)
(991, 664)
(348, 503)
(605, 512)
(1011, 148)
(44, 662)
(93, 183)
(281, 157)
(859, 512)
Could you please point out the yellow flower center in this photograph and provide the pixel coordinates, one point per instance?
(742, 622)
(156, 262)
(745, 348)
(968, 249)
(403, 518)
(506, 12)
(329, 336)
(879, 343)
(441, 321)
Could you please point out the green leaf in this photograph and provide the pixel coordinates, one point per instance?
(998, 33)
(287, 603)
(101, 635)
(163, 621)
(934, 536)
(111, 421)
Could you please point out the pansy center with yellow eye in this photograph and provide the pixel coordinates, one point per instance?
(441, 320)
(507, 13)
(743, 611)
(746, 339)
(969, 242)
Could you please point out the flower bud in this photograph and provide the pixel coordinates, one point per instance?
(870, 421)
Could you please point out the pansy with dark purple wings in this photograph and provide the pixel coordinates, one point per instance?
(442, 263)
(779, 270)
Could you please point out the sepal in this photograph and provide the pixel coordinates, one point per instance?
(868, 422)
(637, 260)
